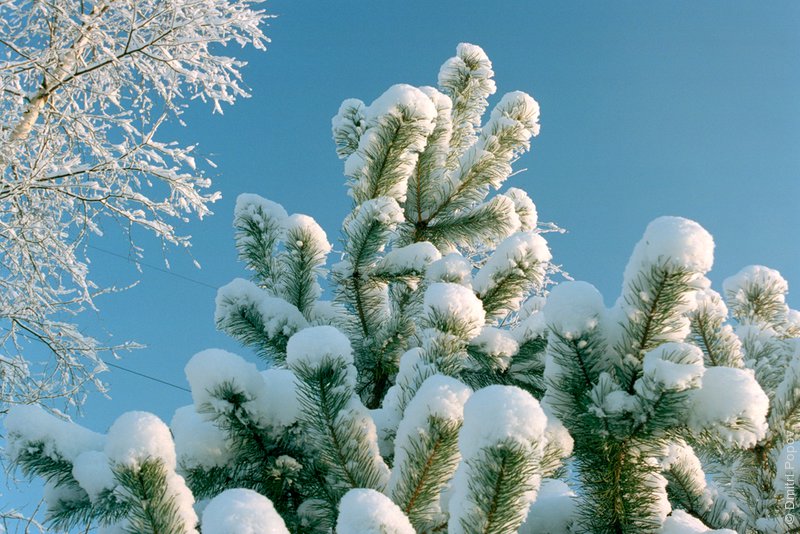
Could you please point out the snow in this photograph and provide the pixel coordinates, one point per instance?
(498, 413)
(607, 397)
(264, 212)
(279, 316)
(573, 309)
(406, 103)
(383, 210)
(518, 251)
(555, 433)
(554, 510)
(365, 511)
(211, 368)
(497, 343)
(317, 343)
(416, 104)
(92, 471)
(737, 287)
(242, 511)
(457, 303)
(348, 125)
(414, 257)
(681, 457)
(439, 396)
(532, 327)
(198, 442)
(525, 208)
(660, 506)
(27, 425)
(678, 244)
(303, 225)
(469, 60)
(492, 416)
(280, 395)
(674, 366)
(517, 111)
(138, 436)
(680, 522)
(731, 404)
(326, 312)
(396, 398)
(453, 268)
(710, 303)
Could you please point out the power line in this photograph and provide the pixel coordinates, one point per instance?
(154, 379)
(154, 267)
(116, 366)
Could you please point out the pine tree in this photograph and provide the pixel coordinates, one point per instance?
(441, 388)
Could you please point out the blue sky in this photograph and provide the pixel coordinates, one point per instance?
(648, 109)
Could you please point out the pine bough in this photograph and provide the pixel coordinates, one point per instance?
(440, 389)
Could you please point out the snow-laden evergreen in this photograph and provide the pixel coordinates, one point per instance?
(444, 388)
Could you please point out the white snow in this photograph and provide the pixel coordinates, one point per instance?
(554, 510)
(498, 413)
(402, 102)
(676, 243)
(301, 224)
(675, 366)
(555, 433)
(514, 109)
(312, 345)
(326, 312)
(469, 60)
(365, 511)
(525, 208)
(680, 522)
(138, 436)
(529, 328)
(93, 473)
(497, 343)
(457, 303)
(384, 210)
(416, 103)
(710, 303)
(396, 399)
(211, 368)
(737, 287)
(520, 250)
(257, 208)
(278, 315)
(731, 404)
(242, 511)
(30, 424)
(453, 268)
(414, 257)
(348, 125)
(573, 309)
(198, 442)
(680, 456)
(492, 416)
(439, 396)
(280, 395)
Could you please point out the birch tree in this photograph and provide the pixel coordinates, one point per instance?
(86, 86)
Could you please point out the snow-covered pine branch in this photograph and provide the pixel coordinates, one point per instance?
(442, 389)
(86, 88)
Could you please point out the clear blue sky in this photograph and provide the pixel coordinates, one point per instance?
(648, 109)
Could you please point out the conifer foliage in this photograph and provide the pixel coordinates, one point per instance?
(442, 389)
